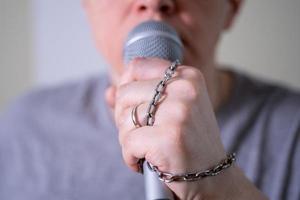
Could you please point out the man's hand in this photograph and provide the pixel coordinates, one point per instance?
(185, 136)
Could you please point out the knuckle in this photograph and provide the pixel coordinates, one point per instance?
(196, 73)
(121, 96)
(181, 110)
(188, 88)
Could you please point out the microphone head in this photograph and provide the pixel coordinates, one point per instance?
(153, 39)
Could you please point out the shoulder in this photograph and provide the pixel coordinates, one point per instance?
(69, 96)
(262, 111)
(263, 127)
(49, 105)
(277, 100)
(275, 116)
(47, 130)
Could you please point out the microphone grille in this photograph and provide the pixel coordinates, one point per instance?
(153, 39)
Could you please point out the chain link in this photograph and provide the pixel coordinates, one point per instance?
(169, 177)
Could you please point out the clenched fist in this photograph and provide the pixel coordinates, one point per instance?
(185, 135)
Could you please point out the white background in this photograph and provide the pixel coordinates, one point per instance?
(46, 42)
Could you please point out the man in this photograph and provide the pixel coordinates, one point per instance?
(62, 143)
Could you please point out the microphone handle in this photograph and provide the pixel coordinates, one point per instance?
(155, 189)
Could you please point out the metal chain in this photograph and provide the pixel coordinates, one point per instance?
(169, 177)
(160, 88)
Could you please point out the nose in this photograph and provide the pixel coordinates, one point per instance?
(152, 7)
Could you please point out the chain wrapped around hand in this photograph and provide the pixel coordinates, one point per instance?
(169, 177)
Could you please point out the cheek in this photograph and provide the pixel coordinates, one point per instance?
(110, 45)
(107, 35)
(205, 23)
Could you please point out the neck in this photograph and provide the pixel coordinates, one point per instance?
(219, 85)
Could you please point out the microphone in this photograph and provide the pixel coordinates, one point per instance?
(153, 39)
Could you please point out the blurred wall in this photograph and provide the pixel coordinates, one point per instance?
(16, 59)
(48, 42)
(266, 41)
(63, 46)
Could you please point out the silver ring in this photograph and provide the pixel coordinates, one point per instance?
(134, 117)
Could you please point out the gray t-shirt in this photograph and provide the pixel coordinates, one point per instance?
(61, 143)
